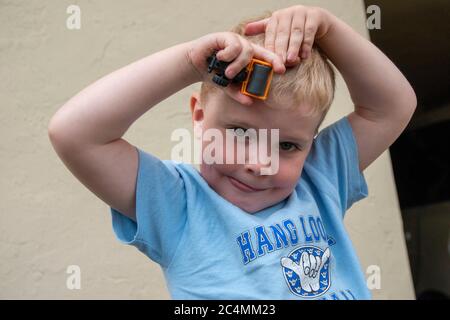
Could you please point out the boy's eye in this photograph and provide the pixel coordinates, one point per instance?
(288, 146)
(239, 131)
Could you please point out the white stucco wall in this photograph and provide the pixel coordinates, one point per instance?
(48, 220)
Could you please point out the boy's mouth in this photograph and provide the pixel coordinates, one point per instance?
(242, 186)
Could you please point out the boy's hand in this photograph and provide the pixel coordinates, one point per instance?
(290, 32)
(230, 47)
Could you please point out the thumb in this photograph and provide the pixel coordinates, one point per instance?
(256, 27)
(233, 91)
(325, 257)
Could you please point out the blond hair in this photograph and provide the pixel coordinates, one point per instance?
(312, 81)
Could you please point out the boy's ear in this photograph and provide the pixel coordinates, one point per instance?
(196, 107)
(195, 99)
(197, 114)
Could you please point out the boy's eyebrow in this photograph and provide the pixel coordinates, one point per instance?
(299, 139)
(295, 139)
(240, 123)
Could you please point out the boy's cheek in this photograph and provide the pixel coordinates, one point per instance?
(288, 173)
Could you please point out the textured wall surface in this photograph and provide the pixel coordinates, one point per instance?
(49, 220)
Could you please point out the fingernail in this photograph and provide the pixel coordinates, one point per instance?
(278, 68)
(304, 54)
(229, 73)
(291, 57)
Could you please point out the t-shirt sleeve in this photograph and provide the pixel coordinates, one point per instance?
(334, 154)
(160, 210)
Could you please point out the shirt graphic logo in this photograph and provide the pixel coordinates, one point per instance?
(306, 270)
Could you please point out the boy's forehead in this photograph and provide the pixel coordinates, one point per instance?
(294, 122)
(285, 104)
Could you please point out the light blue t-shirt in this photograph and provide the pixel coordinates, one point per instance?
(209, 248)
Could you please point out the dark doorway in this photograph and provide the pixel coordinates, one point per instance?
(415, 35)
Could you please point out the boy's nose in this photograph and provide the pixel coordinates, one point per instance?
(255, 168)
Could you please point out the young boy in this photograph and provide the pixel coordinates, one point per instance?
(230, 231)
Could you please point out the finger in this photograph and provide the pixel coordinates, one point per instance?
(271, 29)
(317, 270)
(256, 27)
(295, 41)
(242, 60)
(313, 264)
(282, 36)
(289, 64)
(318, 262)
(325, 257)
(305, 263)
(232, 47)
(233, 91)
(291, 265)
(287, 263)
(305, 286)
(269, 56)
(315, 286)
(308, 39)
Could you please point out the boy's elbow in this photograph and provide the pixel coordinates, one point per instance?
(53, 129)
(56, 131)
(408, 104)
(413, 99)
(55, 136)
(412, 104)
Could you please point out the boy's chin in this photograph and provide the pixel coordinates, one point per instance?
(250, 210)
(249, 207)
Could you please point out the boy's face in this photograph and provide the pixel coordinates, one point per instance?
(296, 131)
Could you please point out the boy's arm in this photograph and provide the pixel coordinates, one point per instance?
(384, 100)
(86, 131)
(103, 112)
